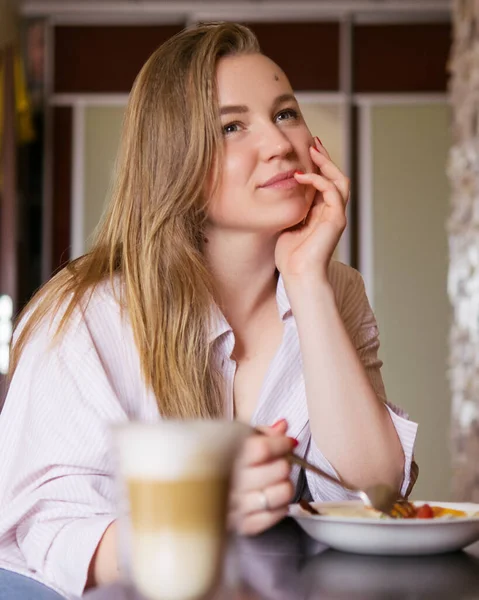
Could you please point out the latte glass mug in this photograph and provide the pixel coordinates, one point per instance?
(174, 481)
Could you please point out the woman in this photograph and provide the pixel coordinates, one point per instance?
(209, 292)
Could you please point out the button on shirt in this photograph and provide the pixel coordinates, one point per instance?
(57, 486)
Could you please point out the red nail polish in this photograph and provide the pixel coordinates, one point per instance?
(299, 172)
(294, 441)
(278, 423)
(318, 140)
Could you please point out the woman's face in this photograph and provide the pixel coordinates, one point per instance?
(265, 141)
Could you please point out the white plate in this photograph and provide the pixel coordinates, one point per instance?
(390, 536)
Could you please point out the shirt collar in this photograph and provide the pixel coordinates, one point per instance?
(219, 324)
(284, 307)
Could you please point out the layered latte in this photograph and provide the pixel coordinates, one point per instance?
(177, 477)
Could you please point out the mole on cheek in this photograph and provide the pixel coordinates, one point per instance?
(276, 78)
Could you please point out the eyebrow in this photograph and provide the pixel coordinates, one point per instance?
(242, 108)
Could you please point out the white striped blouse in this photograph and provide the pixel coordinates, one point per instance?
(57, 489)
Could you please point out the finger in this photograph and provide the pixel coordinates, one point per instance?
(254, 478)
(332, 172)
(260, 449)
(258, 522)
(278, 428)
(330, 193)
(277, 496)
(327, 166)
(319, 146)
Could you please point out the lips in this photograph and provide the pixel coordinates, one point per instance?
(279, 178)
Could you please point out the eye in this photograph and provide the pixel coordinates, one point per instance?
(231, 128)
(287, 114)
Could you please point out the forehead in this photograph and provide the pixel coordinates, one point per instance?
(244, 78)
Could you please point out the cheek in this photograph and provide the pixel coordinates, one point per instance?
(218, 195)
(224, 203)
(236, 170)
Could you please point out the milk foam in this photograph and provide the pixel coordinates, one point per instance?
(179, 449)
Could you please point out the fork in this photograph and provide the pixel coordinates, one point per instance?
(381, 496)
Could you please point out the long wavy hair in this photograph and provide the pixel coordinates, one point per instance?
(151, 233)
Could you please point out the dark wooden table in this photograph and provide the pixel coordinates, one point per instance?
(286, 564)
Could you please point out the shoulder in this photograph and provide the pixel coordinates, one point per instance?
(75, 328)
(90, 365)
(104, 315)
(95, 347)
(102, 306)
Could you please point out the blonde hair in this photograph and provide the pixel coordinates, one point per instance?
(151, 233)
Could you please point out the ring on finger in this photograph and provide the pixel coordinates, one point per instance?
(263, 500)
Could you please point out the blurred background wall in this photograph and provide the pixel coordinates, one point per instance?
(371, 78)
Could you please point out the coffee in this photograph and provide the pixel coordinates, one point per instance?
(179, 504)
(177, 479)
(179, 520)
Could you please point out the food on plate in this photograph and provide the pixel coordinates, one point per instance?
(401, 510)
(426, 511)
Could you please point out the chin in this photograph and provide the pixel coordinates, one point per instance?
(295, 217)
(290, 223)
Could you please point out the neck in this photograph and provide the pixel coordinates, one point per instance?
(244, 273)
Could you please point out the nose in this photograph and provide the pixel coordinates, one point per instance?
(273, 142)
